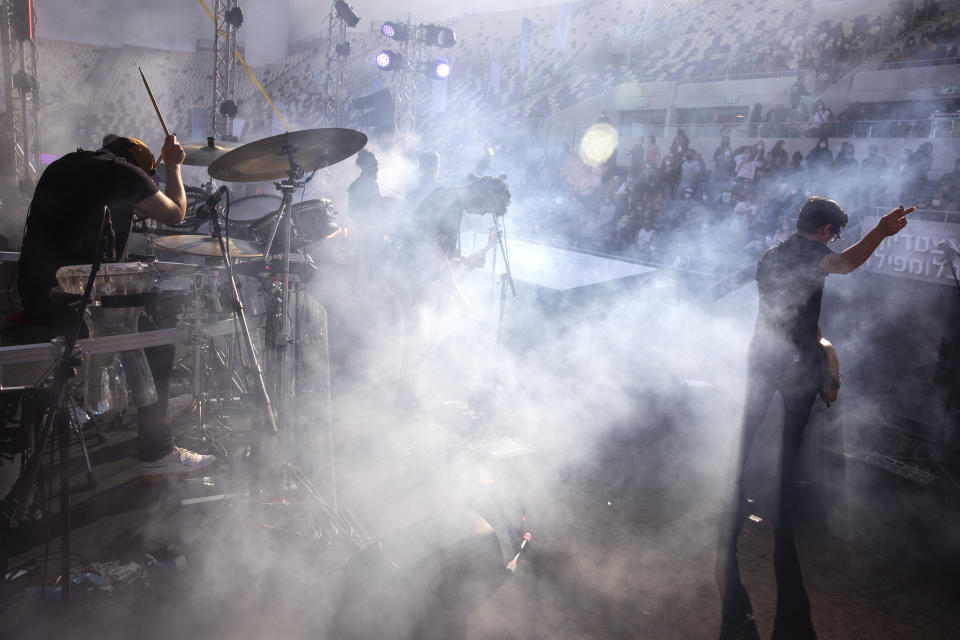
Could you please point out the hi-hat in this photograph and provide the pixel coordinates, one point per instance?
(201, 154)
(269, 158)
(206, 246)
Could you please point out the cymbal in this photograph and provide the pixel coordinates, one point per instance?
(206, 246)
(267, 159)
(201, 154)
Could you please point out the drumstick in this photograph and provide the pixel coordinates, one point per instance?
(154, 101)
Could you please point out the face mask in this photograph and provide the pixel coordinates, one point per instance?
(726, 154)
(823, 145)
(935, 202)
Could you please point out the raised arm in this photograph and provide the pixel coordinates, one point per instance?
(856, 254)
(168, 207)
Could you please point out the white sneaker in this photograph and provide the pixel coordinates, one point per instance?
(179, 463)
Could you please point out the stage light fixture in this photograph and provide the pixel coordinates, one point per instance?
(346, 13)
(389, 60)
(234, 17)
(438, 69)
(439, 36)
(228, 108)
(343, 49)
(395, 30)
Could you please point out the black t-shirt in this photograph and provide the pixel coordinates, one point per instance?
(427, 236)
(790, 285)
(64, 220)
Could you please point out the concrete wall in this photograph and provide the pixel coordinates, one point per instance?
(894, 85)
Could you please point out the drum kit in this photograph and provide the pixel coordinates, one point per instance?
(248, 258)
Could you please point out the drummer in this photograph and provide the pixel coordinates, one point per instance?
(62, 229)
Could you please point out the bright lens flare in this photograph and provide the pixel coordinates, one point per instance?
(598, 144)
(383, 60)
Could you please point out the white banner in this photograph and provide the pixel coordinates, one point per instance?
(913, 252)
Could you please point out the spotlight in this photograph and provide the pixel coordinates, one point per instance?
(395, 30)
(228, 108)
(439, 36)
(24, 82)
(346, 13)
(234, 17)
(389, 60)
(438, 69)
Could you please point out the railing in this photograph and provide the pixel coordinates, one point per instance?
(784, 73)
(909, 64)
(940, 127)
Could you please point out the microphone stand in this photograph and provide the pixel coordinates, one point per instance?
(506, 278)
(54, 420)
(216, 230)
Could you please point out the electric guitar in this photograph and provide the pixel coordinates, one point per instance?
(829, 384)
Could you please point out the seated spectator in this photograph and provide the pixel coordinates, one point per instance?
(637, 157)
(746, 208)
(669, 175)
(647, 237)
(820, 158)
(821, 117)
(690, 172)
(873, 170)
(915, 184)
(680, 144)
(724, 169)
(800, 116)
(653, 152)
(777, 160)
(747, 165)
(778, 118)
(724, 146)
(796, 162)
(845, 164)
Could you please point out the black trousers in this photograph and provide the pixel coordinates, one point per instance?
(797, 380)
(154, 433)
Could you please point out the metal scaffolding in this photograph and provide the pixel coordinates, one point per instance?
(334, 60)
(21, 92)
(224, 69)
(407, 85)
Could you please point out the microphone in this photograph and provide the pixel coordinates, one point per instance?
(210, 206)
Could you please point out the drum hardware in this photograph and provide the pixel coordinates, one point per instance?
(41, 352)
(54, 419)
(217, 232)
(285, 158)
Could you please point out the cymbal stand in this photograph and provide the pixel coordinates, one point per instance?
(216, 230)
(284, 321)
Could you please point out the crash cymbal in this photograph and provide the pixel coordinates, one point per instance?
(198, 245)
(201, 154)
(268, 159)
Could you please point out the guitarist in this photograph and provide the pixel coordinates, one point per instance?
(785, 356)
(429, 264)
